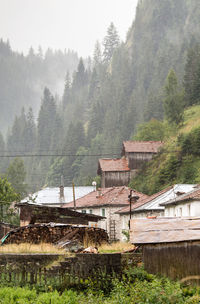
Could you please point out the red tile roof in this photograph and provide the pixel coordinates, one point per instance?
(142, 146)
(111, 165)
(142, 201)
(109, 196)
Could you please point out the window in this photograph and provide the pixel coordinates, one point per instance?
(189, 211)
(83, 211)
(180, 211)
(90, 211)
(103, 212)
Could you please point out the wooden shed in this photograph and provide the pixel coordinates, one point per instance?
(171, 246)
(139, 152)
(113, 172)
(35, 213)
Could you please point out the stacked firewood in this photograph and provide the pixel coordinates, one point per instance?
(55, 233)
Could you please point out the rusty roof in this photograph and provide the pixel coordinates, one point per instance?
(106, 196)
(112, 165)
(142, 146)
(192, 195)
(164, 230)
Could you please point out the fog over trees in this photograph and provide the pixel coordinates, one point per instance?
(153, 74)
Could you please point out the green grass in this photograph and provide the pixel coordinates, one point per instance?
(136, 287)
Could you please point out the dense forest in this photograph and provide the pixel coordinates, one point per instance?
(104, 99)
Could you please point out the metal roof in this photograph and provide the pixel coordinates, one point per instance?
(51, 196)
(171, 193)
(164, 230)
(194, 194)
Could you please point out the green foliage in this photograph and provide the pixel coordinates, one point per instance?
(136, 286)
(7, 196)
(173, 99)
(152, 130)
(16, 176)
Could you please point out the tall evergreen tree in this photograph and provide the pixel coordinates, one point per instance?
(110, 43)
(173, 99)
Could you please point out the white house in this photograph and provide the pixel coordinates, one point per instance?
(187, 204)
(153, 206)
(106, 202)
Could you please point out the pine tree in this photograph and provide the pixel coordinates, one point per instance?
(173, 99)
(97, 55)
(110, 43)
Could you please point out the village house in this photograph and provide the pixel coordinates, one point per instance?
(151, 206)
(106, 202)
(118, 172)
(113, 172)
(186, 204)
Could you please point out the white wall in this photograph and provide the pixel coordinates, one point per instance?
(189, 208)
(110, 215)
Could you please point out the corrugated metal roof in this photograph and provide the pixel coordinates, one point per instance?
(165, 195)
(109, 196)
(164, 230)
(153, 202)
(51, 196)
(112, 165)
(142, 146)
(193, 194)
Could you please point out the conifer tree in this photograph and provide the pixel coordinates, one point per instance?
(110, 43)
(173, 99)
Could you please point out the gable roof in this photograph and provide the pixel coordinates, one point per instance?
(156, 201)
(192, 195)
(142, 146)
(114, 196)
(164, 230)
(141, 202)
(112, 165)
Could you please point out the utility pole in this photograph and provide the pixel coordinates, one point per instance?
(74, 199)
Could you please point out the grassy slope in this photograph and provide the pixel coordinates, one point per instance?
(172, 165)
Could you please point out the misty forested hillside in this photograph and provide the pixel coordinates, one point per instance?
(23, 78)
(103, 103)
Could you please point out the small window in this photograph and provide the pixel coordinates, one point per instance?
(181, 211)
(189, 211)
(83, 211)
(90, 211)
(103, 212)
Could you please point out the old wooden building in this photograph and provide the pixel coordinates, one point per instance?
(119, 171)
(138, 153)
(171, 246)
(113, 172)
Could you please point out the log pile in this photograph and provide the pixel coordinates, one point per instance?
(55, 234)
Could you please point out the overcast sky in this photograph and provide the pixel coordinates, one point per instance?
(73, 24)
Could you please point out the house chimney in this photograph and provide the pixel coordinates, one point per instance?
(62, 195)
(99, 193)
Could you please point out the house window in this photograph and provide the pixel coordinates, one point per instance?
(189, 211)
(83, 211)
(180, 211)
(90, 211)
(103, 212)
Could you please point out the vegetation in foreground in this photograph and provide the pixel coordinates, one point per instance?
(116, 247)
(136, 286)
(31, 248)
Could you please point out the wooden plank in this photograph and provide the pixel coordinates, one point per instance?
(147, 231)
